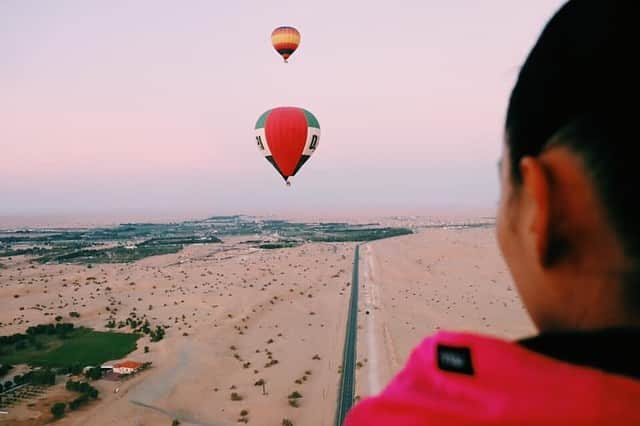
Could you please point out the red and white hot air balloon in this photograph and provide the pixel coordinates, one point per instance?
(287, 137)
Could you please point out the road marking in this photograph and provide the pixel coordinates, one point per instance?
(371, 305)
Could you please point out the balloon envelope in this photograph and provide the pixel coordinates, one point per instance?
(285, 40)
(287, 137)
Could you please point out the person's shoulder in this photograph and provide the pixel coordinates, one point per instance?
(463, 378)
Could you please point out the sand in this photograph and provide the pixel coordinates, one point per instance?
(438, 279)
(279, 305)
(233, 310)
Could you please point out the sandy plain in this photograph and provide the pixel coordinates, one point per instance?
(233, 310)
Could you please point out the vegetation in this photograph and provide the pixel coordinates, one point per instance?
(235, 396)
(5, 368)
(36, 377)
(86, 391)
(16, 395)
(58, 409)
(157, 335)
(280, 244)
(94, 373)
(63, 346)
(135, 241)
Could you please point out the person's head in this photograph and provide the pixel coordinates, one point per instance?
(569, 216)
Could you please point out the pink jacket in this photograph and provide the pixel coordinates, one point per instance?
(464, 379)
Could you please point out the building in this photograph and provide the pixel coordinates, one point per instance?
(126, 367)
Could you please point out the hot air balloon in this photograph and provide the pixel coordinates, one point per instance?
(287, 137)
(285, 40)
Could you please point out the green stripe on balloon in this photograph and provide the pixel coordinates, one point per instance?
(263, 120)
(312, 121)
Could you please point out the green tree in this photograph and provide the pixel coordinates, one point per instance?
(58, 409)
(94, 373)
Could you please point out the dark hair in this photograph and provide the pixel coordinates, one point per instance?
(579, 88)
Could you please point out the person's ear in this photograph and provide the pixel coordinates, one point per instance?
(536, 200)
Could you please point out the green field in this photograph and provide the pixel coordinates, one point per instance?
(81, 347)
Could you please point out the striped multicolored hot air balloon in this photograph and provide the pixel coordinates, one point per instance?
(285, 40)
(287, 137)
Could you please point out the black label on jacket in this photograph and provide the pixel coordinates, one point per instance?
(455, 359)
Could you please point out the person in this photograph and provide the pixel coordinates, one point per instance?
(568, 227)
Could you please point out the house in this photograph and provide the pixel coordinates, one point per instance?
(126, 367)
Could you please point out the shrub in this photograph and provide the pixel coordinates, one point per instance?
(157, 334)
(38, 377)
(58, 409)
(83, 388)
(295, 395)
(287, 422)
(78, 402)
(4, 369)
(235, 396)
(94, 373)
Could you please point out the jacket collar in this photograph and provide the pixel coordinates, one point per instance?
(615, 351)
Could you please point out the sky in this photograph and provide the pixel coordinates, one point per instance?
(150, 105)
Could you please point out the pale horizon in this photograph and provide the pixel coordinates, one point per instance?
(148, 108)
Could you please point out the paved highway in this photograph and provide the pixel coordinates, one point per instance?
(347, 380)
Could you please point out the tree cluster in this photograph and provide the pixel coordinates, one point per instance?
(85, 390)
(60, 329)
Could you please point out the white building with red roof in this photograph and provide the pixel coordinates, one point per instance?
(126, 367)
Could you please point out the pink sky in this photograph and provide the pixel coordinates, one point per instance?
(150, 105)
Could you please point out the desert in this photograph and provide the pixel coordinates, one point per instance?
(256, 335)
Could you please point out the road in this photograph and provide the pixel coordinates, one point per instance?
(347, 380)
